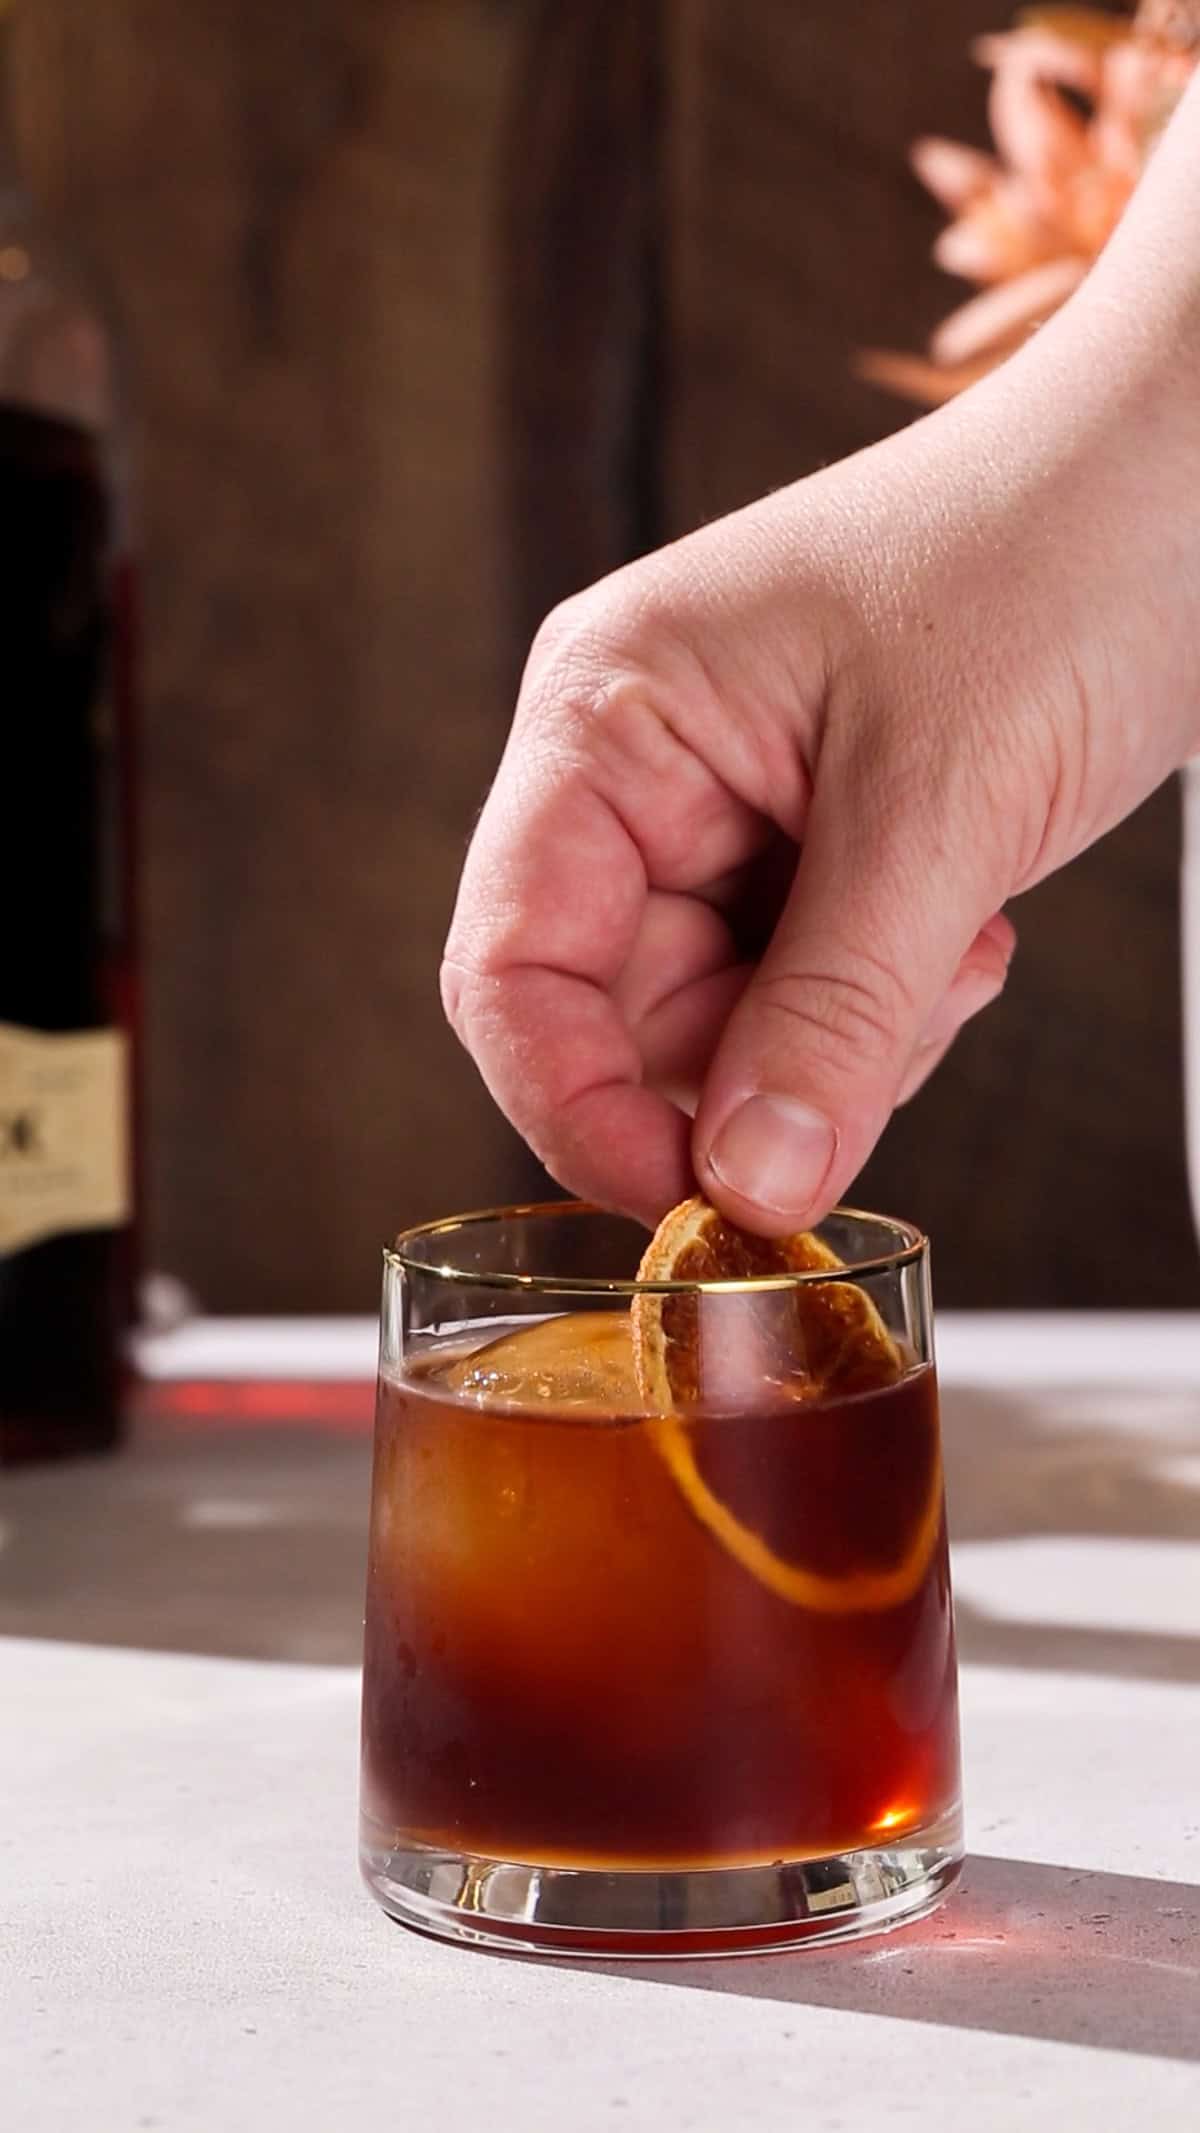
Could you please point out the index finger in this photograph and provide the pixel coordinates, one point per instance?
(551, 899)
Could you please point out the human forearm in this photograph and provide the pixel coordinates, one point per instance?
(937, 671)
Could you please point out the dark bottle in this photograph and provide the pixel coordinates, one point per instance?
(66, 962)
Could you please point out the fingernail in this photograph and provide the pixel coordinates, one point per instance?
(774, 1152)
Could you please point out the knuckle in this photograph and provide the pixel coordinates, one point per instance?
(451, 986)
(840, 1013)
(458, 986)
(560, 632)
(594, 655)
(570, 654)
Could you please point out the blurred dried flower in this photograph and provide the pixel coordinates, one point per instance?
(1077, 100)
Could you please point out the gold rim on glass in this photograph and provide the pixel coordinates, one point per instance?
(399, 1255)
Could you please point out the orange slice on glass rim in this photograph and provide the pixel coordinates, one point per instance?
(845, 1349)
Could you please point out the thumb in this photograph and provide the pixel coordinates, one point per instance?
(878, 956)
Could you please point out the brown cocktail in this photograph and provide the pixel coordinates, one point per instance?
(668, 1674)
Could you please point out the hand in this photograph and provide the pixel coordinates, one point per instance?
(767, 791)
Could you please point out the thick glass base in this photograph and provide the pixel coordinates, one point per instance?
(734, 1910)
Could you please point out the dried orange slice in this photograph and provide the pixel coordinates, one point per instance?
(845, 1347)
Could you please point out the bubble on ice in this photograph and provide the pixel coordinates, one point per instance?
(582, 1360)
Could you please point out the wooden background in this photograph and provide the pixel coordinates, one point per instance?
(435, 309)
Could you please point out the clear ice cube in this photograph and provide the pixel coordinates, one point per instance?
(581, 1361)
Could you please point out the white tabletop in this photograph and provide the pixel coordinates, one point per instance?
(184, 1945)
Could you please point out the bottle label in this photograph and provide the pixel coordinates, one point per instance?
(64, 1133)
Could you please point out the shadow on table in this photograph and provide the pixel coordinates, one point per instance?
(250, 1541)
(1021, 1949)
(247, 1544)
(1075, 1461)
